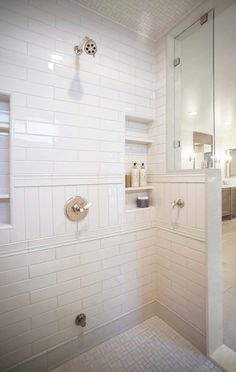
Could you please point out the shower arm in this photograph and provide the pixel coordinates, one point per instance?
(78, 48)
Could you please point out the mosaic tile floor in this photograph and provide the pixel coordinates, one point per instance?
(149, 347)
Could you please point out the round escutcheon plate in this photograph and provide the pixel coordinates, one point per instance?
(71, 213)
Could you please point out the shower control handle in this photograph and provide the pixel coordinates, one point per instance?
(78, 208)
(179, 203)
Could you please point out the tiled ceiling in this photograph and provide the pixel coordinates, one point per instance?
(152, 18)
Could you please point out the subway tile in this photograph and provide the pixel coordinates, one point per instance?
(55, 339)
(12, 71)
(8, 263)
(13, 276)
(13, 18)
(25, 87)
(15, 329)
(54, 290)
(27, 285)
(10, 359)
(79, 271)
(26, 35)
(14, 303)
(99, 276)
(78, 248)
(78, 294)
(11, 44)
(29, 337)
(121, 259)
(54, 266)
(27, 311)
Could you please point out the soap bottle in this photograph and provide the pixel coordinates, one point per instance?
(143, 176)
(135, 176)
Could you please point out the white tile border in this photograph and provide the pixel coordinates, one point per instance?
(28, 181)
(47, 243)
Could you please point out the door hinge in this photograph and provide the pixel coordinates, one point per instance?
(176, 144)
(176, 61)
(203, 19)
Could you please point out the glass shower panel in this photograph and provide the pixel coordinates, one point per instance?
(193, 95)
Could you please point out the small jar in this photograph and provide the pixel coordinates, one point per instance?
(142, 201)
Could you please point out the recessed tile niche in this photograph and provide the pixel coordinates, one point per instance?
(5, 194)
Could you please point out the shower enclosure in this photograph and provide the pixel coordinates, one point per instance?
(192, 140)
(202, 135)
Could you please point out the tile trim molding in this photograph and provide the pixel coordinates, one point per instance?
(64, 240)
(83, 179)
(78, 345)
(187, 232)
(50, 243)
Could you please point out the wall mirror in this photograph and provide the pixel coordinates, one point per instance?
(203, 150)
(230, 163)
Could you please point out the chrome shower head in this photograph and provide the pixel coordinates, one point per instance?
(90, 47)
(87, 45)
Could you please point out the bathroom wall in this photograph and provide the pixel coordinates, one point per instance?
(181, 240)
(68, 123)
(68, 120)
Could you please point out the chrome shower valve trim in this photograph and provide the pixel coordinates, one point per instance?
(179, 203)
(76, 208)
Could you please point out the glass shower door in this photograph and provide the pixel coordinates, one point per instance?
(194, 95)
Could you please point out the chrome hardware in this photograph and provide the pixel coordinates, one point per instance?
(203, 19)
(179, 203)
(76, 208)
(176, 144)
(80, 320)
(87, 45)
(79, 209)
(176, 62)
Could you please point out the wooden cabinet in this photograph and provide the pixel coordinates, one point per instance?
(226, 202)
(229, 202)
(233, 201)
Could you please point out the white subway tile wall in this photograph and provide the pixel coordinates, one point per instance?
(68, 117)
(181, 247)
(181, 277)
(68, 121)
(104, 278)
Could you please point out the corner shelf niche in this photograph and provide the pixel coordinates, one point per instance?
(5, 192)
(137, 145)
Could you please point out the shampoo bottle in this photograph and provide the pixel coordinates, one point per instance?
(135, 176)
(143, 176)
